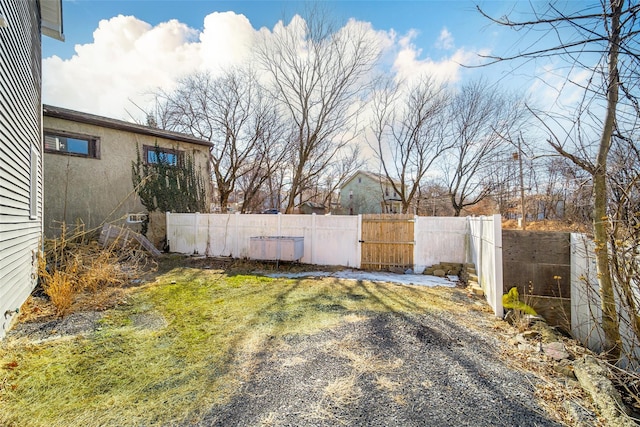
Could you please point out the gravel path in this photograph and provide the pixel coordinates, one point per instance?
(385, 370)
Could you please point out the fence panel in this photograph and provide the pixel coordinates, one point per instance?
(328, 240)
(440, 239)
(485, 251)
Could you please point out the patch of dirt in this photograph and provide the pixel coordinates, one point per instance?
(38, 320)
(80, 323)
(231, 265)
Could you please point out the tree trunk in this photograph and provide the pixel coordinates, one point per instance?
(610, 324)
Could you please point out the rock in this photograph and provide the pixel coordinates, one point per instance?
(396, 270)
(580, 416)
(555, 350)
(428, 271)
(593, 379)
(528, 347)
(408, 271)
(477, 290)
(439, 273)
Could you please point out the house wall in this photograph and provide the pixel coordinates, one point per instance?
(20, 145)
(367, 196)
(94, 191)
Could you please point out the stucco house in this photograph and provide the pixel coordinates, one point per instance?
(87, 166)
(21, 24)
(369, 193)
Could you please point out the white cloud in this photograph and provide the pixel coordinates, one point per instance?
(408, 64)
(129, 58)
(445, 41)
(554, 86)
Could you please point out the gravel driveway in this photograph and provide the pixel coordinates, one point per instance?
(386, 369)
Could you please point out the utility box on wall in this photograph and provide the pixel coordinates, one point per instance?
(276, 248)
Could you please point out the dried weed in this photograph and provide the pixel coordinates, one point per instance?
(384, 383)
(343, 391)
(73, 265)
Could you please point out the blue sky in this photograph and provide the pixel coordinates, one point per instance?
(119, 51)
(428, 17)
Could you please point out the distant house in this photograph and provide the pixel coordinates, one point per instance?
(367, 193)
(21, 24)
(87, 166)
(309, 208)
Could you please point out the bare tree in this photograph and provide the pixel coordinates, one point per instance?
(270, 156)
(602, 38)
(232, 112)
(317, 77)
(480, 118)
(408, 126)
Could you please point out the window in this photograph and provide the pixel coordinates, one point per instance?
(153, 155)
(33, 183)
(72, 144)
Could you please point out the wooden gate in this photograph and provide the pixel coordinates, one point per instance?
(387, 241)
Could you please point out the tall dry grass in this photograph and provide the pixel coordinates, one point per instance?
(75, 263)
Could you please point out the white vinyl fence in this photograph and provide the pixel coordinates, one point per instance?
(334, 240)
(586, 313)
(328, 240)
(485, 248)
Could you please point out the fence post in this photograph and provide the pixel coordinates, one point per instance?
(236, 250)
(415, 243)
(313, 238)
(359, 250)
(167, 222)
(497, 260)
(279, 224)
(195, 233)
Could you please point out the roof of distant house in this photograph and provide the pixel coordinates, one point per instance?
(372, 175)
(107, 122)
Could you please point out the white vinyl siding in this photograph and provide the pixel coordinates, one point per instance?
(20, 154)
(33, 183)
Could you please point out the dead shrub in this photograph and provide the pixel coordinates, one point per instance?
(61, 290)
(73, 264)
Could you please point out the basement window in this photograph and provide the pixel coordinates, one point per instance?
(72, 144)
